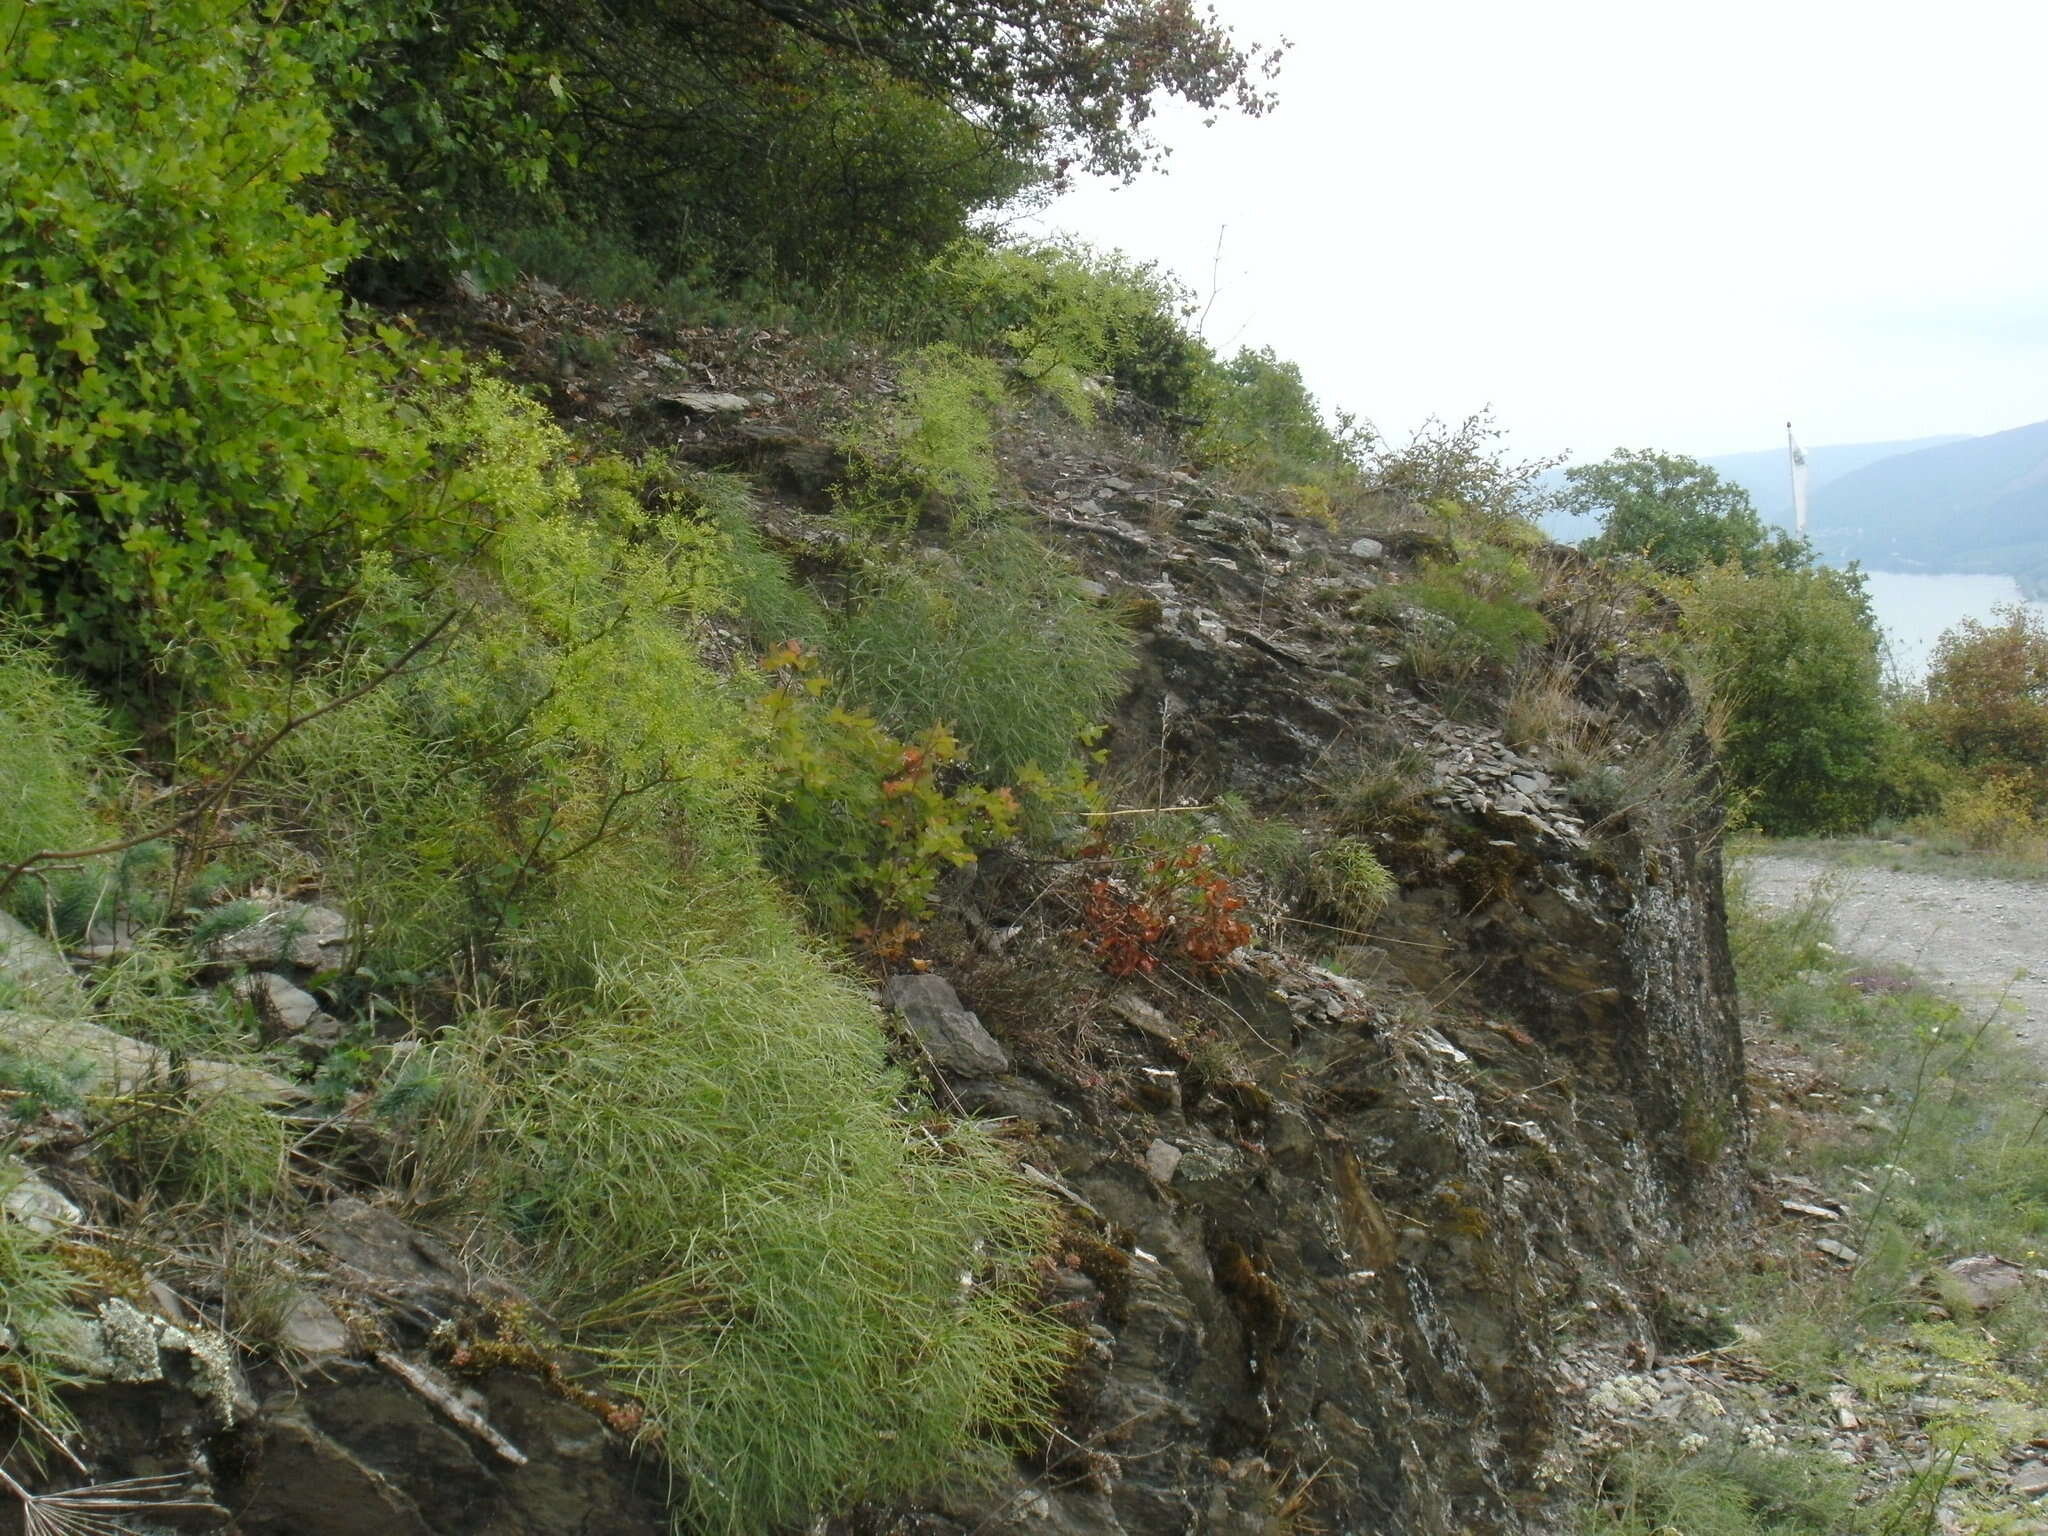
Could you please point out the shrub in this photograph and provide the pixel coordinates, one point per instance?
(818, 1302)
(994, 640)
(1994, 815)
(1794, 656)
(681, 1118)
(1987, 699)
(571, 708)
(1179, 906)
(1062, 315)
(807, 138)
(1261, 421)
(858, 821)
(1351, 880)
(197, 454)
(1464, 464)
(1676, 513)
(935, 446)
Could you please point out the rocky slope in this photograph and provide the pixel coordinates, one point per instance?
(1347, 1210)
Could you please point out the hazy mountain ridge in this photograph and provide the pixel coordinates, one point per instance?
(1976, 505)
(1766, 474)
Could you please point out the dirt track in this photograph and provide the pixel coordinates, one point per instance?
(1972, 936)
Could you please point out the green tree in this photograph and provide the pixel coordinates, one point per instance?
(1987, 699)
(1676, 512)
(1792, 656)
(819, 134)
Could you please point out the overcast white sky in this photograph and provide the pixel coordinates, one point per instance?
(1641, 224)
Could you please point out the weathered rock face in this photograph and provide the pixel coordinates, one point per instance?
(371, 1431)
(1333, 1238)
(1330, 1238)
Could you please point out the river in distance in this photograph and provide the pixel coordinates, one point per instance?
(1915, 608)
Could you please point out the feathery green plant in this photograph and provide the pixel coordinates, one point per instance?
(994, 639)
(818, 1300)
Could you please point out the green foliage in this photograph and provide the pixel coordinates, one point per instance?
(993, 639)
(1062, 315)
(1677, 513)
(818, 1302)
(1994, 815)
(194, 461)
(35, 1287)
(1793, 655)
(210, 1145)
(33, 1083)
(807, 137)
(1986, 706)
(1381, 788)
(1730, 1489)
(570, 708)
(1485, 598)
(933, 447)
(1771, 949)
(760, 589)
(1464, 465)
(1276, 851)
(681, 1120)
(53, 741)
(1261, 421)
(858, 821)
(1351, 880)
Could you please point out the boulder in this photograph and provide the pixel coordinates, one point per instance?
(703, 402)
(1985, 1280)
(35, 1203)
(41, 980)
(951, 1034)
(283, 1011)
(100, 1060)
(311, 938)
(234, 1079)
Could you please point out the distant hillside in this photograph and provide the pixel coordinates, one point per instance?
(1979, 504)
(1766, 475)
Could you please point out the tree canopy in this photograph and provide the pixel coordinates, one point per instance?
(814, 134)
(1793, 657)
(1987, 698)
(1677, 513)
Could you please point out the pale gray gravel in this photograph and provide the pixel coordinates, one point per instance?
(1977, 938)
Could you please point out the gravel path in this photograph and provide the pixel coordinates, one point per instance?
(1969, 935)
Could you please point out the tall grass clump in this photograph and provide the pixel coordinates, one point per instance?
(54, 740)
(993, 638)
(35, 1319)
(818, 1300)
(933, 448)
(566, 709)
(1730, 1490)
(656, 1097)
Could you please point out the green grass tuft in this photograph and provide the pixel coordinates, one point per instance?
(818, 1300)
(53, 741)
(994, 639)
